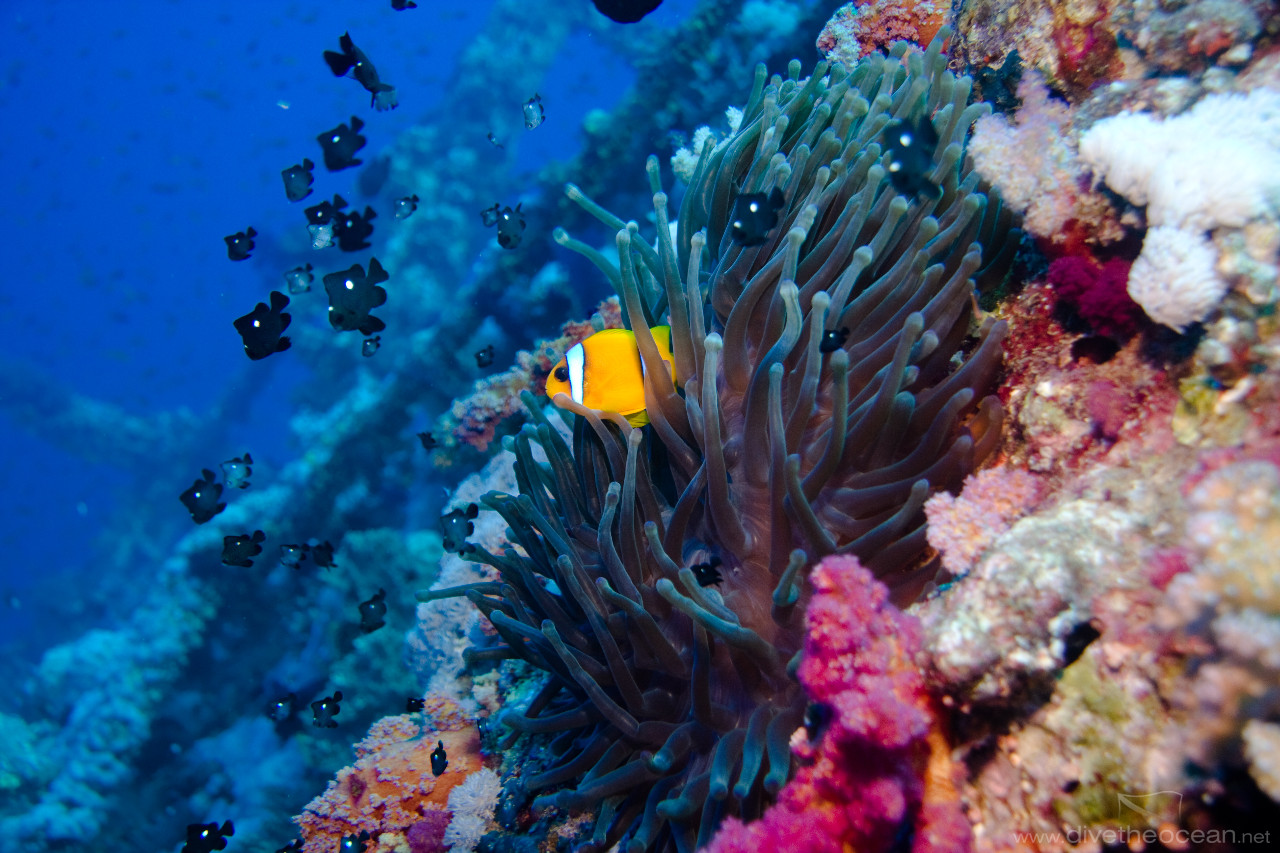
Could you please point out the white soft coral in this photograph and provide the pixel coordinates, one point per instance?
(472, 804)
(1028, 159)
(1215, 166)
(1174, 279)
(1218, 164)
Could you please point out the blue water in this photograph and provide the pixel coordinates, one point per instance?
(148, 131)
(137, 134)
(140, 134)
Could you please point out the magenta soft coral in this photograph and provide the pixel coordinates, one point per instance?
(871, 781)
(1098, 292)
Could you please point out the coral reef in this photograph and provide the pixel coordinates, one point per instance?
(1002, 631)
(1107, 671)
(1107, 661)
(1049, 652)
(1071, 411)
(1192, 155)
(775, 455)
(1100, 755)
(1073, 44)
(1189, 36)
(1079, 45)
(1069, 677)
(1231, 597)
(1110, 623)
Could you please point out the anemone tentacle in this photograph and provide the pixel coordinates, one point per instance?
(674, 702)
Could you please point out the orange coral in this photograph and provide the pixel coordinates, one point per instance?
(858, 28)
(390, 788)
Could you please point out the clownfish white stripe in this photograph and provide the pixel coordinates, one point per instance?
(576, 359)
(605, 373)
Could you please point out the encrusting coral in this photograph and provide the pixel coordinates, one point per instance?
(857, 29)
(392, 793)
(671, 704)
(1231, 597)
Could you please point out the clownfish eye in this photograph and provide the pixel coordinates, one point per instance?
(562, 373)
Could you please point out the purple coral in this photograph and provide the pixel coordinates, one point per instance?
(427, 835)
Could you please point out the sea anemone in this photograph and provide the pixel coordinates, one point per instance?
(670, 704)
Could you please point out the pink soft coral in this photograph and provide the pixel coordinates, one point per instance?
(873, 780)
(962, 528)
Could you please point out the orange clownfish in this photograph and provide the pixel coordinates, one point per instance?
(605, 373)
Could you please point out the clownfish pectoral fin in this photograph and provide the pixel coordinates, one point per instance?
(638, 419)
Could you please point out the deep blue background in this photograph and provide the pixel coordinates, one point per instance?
(137, 134)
